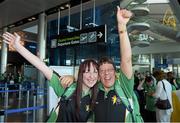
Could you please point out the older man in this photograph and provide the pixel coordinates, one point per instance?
(116, 100)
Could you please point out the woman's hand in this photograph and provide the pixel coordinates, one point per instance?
(66, 80)
(11, 39)
(14, 41)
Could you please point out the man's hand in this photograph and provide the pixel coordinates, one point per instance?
(123, 16)
(66, 80)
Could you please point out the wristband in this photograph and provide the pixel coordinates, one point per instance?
(122, 31)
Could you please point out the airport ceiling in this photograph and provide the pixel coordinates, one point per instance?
(12, 11)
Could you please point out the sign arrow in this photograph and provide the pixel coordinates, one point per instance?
(100, 34)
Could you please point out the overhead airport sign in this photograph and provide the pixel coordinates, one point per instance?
(84, 36)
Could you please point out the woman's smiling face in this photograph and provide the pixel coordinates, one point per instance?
(90, 76)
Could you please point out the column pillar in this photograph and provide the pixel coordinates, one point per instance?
(4, 52)
(42, 31)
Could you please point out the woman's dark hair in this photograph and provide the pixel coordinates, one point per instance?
(170, 77)
(106, 60)
(82, 68)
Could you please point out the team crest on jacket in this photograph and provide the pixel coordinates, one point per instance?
(116, 100)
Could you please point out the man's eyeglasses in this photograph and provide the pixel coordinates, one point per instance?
(106, 71)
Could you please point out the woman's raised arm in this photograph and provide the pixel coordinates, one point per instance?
(14, 41)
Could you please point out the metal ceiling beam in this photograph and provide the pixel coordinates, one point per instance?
(175, 6)
(125, 3)
(164, 30)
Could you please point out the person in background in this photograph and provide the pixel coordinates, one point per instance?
(116, 100)
(78, 99)
(137, 76)
(136, 83)
(150, 88)
(163, 93)
(172, 80)
(2, 77)
(141, 94)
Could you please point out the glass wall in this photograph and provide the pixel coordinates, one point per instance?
(73, 55)
(155, 33)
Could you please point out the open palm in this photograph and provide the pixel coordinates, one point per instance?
(11, 39)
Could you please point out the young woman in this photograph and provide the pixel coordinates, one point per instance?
(163, 92)
(77, 100)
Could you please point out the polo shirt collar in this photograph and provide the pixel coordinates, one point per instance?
(101, 87)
